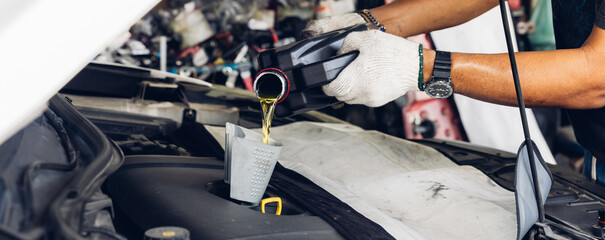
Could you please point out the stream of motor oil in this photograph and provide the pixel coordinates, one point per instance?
(268, 106)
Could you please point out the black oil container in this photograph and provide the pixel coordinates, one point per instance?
(302, 68)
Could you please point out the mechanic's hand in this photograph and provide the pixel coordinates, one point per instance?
(329, 24)
(386, 68)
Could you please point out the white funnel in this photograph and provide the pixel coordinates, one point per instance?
(248, 163)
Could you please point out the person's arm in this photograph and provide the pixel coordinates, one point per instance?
(406, 18)
(573, 78)
(411, 17)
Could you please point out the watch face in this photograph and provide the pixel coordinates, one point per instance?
(439, 89)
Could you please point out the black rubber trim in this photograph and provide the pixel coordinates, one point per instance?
(105, 157)
(342, 217)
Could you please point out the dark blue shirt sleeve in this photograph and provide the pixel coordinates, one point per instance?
(599, 15)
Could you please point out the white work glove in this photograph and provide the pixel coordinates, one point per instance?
(329, 24)
(386, 68)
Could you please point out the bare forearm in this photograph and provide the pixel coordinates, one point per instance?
(411, 17)
(570, 78)
(554, 78)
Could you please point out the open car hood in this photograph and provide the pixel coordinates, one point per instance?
(59, 38)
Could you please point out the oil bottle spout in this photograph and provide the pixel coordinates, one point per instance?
(271, 83)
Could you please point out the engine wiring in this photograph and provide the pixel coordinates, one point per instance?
(31, 171)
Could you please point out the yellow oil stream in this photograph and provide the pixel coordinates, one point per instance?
(268, 106)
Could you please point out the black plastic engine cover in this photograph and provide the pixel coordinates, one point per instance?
(188, 192)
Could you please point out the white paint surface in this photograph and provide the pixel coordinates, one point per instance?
(44, 43)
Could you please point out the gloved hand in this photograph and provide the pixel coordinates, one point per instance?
(329, 24)
(386, 68)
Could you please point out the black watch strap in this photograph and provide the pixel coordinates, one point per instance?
(443, 65)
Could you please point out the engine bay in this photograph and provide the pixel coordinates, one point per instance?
(117, 171)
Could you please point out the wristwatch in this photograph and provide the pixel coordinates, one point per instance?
(440, 85)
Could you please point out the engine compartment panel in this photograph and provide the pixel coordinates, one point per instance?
(188, 192)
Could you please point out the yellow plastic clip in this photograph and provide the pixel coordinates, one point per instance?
(218, 61)
(270, 200)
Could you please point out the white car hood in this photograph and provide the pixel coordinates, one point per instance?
(43, 44)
